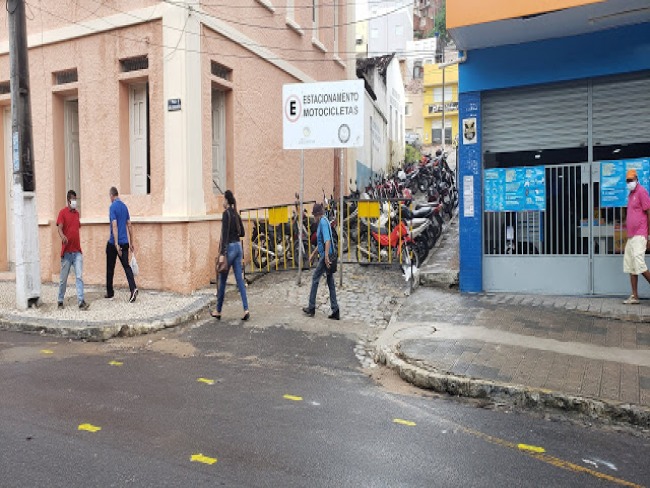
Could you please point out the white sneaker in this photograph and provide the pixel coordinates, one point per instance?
(134, 295)
(632, 301)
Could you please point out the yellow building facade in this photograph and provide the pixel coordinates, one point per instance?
(440, 93)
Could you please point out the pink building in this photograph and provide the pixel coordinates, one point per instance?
(172, 103)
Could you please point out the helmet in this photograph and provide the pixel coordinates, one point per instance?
(438, 152)
(407, 194)
(401, 175)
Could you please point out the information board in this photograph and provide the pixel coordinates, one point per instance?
(613, 188)
(515, 189)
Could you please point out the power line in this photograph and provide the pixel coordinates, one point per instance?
(201, 34)
(199, 51)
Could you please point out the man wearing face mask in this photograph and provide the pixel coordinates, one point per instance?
(68, 224)
(637, 221)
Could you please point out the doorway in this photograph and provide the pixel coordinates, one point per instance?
(72, 157)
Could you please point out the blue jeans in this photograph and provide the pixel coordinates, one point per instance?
(318, 272)
(234, 256)
(68, 260)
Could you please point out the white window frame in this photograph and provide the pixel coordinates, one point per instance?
(437, 94)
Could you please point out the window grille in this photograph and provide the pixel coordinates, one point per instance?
(134, 64)
(67, 76)
(5, 87)
(221, 71)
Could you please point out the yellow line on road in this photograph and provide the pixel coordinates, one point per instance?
(553, 461)
(404, 422)
(46, 351)
(293, 398)
(116, 363)
(200, 458)
(89, 428)
(205, 380)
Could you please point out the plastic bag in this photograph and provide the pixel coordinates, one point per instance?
(134, 265)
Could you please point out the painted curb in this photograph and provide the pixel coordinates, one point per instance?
(520, 396)
(102, 331)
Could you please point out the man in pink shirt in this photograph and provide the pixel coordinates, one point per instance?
(638, 219)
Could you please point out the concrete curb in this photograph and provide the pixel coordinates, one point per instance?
(102, 331)
(517, 395)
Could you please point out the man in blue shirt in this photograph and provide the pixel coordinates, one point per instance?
(119, 243)
(327, 252)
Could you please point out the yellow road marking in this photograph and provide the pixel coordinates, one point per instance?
(89, 428)
(200, 458)
(553, 461)
(293, 398)
(526, 447)
(205, 380)
(47, 351)
(404, 422)
(116, 363)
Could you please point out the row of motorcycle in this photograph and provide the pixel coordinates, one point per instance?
(404, 232)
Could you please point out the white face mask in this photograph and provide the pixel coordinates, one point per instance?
(631, 186)
(73, 204)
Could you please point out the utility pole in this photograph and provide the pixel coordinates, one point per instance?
(28, 264)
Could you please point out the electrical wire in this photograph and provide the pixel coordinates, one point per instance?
(199, 51)
(201, 34)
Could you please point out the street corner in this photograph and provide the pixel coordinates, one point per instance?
(104, 318)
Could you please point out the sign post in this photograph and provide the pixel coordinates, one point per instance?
(320, 116)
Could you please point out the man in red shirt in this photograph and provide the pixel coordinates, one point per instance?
(68, 224)
(638, 219)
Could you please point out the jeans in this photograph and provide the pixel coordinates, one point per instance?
(111, 259)
(318, 272)
(68, 260)
(234, 256)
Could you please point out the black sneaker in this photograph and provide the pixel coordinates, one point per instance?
(134, 295)
(60, 305)
(334, 315)
(109, 297)
(84, 306)
(310, 312)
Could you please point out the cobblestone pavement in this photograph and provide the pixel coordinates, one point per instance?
(370, 295)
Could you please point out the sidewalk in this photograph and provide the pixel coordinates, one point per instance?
(106, 318)
(535, 351)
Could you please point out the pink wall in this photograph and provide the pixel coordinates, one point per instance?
(176, 256)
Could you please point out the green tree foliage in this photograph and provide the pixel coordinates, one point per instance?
(440, 23)
(412, 155)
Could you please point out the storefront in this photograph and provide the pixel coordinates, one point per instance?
(548, 128)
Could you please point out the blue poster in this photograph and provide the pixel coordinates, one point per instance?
(613, 188)
(515, 189)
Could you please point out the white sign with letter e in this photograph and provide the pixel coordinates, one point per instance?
(323, 115)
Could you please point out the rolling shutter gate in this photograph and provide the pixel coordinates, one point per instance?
(621, 115)
(573, 246)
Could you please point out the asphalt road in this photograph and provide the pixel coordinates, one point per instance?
(274, 408)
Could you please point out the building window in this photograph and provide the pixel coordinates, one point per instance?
(408, 109)
(134, 64)
(5, 88)
(437, 94)
(221, 71)
(140, 166)
(219, 166)
(67, 76)
(418, 71)
(359, 41)
(290, 9)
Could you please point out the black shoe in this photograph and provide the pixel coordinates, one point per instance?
(60, 305)
(134, 295)
(310, 312)
(334, 315)
(109, 297)
(84, 306)
(246, 316)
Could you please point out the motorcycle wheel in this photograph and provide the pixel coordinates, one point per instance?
(259, 256)
(296, 255)
(409, 256)
(363, 258)
(421, 249)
